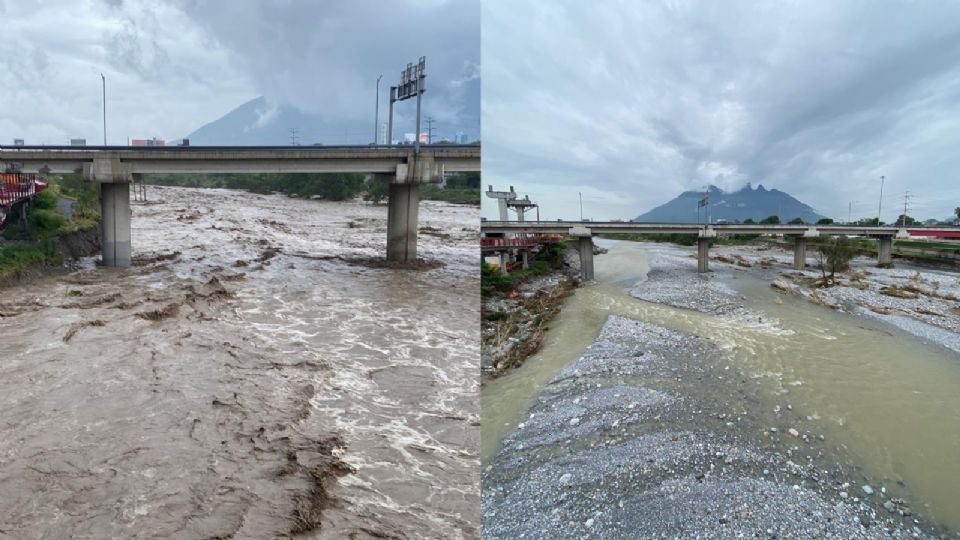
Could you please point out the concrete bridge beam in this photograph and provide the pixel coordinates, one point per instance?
(115, 224)
(703, 254)
(885, 252)
(799, 253)
(402, 213)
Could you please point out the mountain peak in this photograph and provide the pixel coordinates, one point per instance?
(737, 206)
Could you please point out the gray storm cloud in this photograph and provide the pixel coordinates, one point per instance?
(631, 103)
(174, 66)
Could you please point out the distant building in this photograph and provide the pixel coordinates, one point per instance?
(409, 138)
(148, 142)
(18, 142)
(460, 138)
(78, 142)
(383, 133)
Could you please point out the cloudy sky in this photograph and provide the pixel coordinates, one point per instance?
(172, 66)
(631, 102)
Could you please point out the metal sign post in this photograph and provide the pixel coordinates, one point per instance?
(412, 84)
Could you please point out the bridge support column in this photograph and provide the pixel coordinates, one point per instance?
(799, 253)
(526, 262)
(402, 212)
(703, 254)
(885, 252)
(503, 263)
(586, 258)
(115, 224)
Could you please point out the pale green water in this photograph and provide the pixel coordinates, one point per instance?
(893, 400)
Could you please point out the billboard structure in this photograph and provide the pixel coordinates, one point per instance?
(412, 84)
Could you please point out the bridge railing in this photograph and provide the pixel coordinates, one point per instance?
(528, 240)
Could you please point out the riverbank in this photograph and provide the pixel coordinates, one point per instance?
(61, 229)
(515, 317)
(657, 431)
(922, 301)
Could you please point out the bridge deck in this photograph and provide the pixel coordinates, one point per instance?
(614, 227)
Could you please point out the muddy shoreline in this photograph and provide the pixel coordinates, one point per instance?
(629, 441)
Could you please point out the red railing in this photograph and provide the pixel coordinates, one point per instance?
(16, 187)
(520, 241)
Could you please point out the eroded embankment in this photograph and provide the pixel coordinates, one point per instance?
(249, 377)
(514, 321)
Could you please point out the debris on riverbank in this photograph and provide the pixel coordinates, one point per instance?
(514, 321)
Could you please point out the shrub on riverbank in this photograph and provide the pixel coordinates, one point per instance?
(17, 257)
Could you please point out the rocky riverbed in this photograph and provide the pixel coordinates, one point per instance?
(922, 301)
(654, 433)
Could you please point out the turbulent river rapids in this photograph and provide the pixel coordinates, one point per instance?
(257, 373)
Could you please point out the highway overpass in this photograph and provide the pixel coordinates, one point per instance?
(114, 167)
(585, 230)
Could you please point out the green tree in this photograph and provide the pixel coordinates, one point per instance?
(749, 221)
(904, 220)
(835, 256)
(377, 190)
(771, 220)
(825, 221)
(796, 221)
(957, 212)
(465, 180)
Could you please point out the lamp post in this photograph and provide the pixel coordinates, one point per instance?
(104, 81)
(880, 206)
(376, 112)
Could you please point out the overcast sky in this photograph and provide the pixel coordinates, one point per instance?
(631, 102)
(172, 66)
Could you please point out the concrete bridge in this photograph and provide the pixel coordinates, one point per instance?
(114, 167)
(584, 231)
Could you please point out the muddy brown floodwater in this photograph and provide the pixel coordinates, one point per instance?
(256, 374)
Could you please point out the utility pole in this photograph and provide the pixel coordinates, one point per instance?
(906, 202)
(104, 80)
(293, 137)
(849, 211)
(376, 112)
(429, 130)
(880, 206)
(581, 205)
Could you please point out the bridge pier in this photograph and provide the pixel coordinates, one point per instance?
(703, 254)
(115, 224)
(526, 262)
(503, 263)
(799, 253)
(402, 212)
(585, 244)
(885, 252)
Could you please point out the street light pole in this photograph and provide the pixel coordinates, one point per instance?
(104, 80)
(376, 112)
(880, 206)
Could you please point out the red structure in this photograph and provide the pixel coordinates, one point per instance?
(526, 241)
(15, 188)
